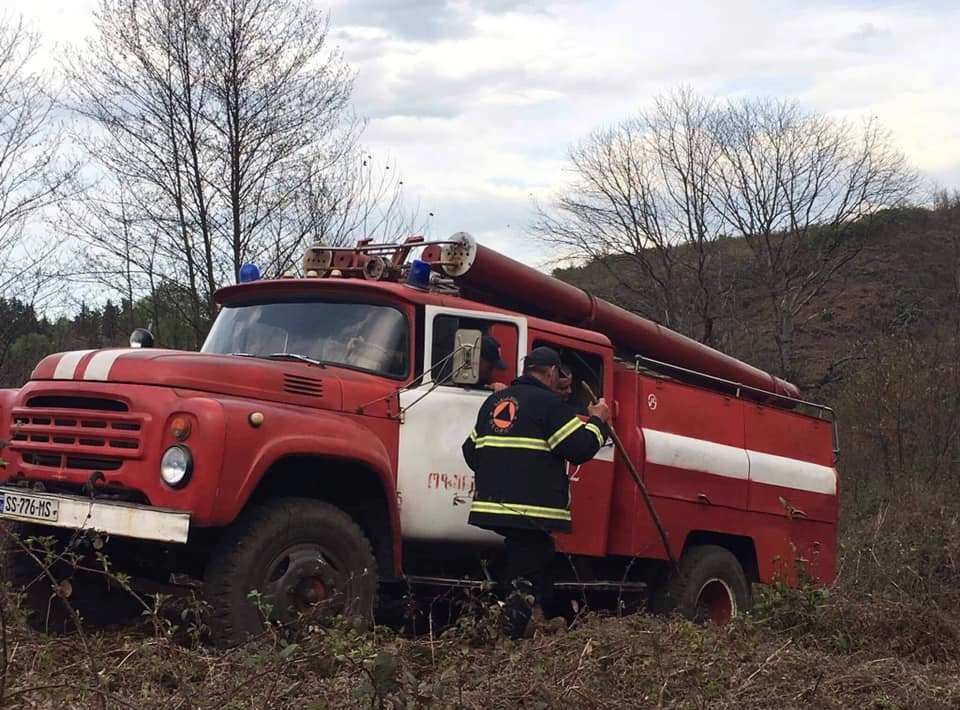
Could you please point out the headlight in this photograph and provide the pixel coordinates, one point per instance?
(176, 466)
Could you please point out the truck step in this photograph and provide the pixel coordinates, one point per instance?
(596, 586)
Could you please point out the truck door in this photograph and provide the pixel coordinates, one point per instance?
(434, 483)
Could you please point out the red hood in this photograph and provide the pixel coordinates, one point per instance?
(250, 378)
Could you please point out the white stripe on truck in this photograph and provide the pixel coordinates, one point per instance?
(67, 366)
(692, 454)
(100, 364)
(790, 473)
(686, 452)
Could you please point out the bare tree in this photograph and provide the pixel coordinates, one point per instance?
(118, 247)
(355, 197)
(685, 152)
(138, 89)
(653, 196)
(793, 183)
(277, 96)
(219, 119)
(638, 205)
(33, 171)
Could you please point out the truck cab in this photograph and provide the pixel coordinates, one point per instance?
(310, 454)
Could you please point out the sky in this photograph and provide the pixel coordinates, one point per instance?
(477, 101)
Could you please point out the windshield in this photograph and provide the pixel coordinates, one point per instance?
(356, 335)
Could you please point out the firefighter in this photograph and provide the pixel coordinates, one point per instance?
(518, 450)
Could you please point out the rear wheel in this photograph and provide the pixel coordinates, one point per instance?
(285, 559)
(709, 587)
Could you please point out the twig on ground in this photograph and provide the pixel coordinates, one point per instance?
(763, 665)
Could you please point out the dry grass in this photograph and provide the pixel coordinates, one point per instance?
(636, 661)
(886, 636)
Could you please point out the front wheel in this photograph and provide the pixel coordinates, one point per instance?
(59, 581)
(286, 558)
(709, 587)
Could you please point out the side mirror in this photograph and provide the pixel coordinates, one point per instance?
(466, 357)
(141, 338)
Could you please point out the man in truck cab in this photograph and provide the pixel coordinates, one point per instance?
(490, 361)
(565, 383)
(518, 450)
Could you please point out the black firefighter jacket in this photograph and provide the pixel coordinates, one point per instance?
(518, 449)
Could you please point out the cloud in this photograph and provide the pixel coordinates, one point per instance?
(481, 115)
(477, 101)
(418, 20)
(425, 20)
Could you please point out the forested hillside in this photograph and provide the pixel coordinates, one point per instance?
(903, 281)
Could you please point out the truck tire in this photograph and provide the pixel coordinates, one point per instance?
(297, 556)
(709, 587)
(96, 600)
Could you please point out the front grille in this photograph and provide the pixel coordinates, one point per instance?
(81, 433)
(303, 386)
(47, 460)
(77, 463)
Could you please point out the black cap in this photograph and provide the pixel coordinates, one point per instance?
(490, 351)
(542, 356)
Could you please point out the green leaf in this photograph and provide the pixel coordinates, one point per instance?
(384, 671)
(288, 651)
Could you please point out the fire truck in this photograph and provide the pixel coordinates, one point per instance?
(308, 457)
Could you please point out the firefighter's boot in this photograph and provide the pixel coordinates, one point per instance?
(540, 623)
(517, 609)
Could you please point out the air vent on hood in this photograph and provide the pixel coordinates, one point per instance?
(65, 402)
(303, 386)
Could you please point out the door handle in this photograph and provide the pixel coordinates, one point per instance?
(792, 510)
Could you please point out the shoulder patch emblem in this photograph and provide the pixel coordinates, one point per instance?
(504, 414)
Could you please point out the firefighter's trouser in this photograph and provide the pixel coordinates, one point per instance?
(529, 558)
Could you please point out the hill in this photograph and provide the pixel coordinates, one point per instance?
(904, 279)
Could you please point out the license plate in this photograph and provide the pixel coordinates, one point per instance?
(28, 507)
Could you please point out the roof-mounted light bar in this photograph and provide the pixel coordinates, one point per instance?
(388, 262)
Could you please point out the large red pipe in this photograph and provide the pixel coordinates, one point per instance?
(510, 282)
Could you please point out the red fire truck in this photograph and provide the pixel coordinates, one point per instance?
(309, 454)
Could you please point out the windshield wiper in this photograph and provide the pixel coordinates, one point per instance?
(286, 356)
(296, 356)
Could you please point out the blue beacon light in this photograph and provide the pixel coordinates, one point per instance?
(249, 273)
(419, 276)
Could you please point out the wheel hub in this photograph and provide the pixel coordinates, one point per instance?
(716, 602)
(312, 591)
(298, 580)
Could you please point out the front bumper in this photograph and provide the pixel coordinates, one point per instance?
(113, 518)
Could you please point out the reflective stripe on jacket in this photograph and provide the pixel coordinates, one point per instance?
(518, 450)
